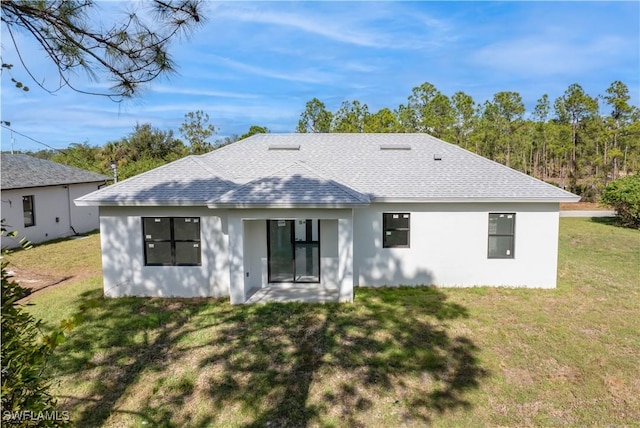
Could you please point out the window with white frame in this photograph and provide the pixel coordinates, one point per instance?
(395, 230)
(502, 231)
(171, 241)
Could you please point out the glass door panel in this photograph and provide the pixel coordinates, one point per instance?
(281, 266)
(307, 262)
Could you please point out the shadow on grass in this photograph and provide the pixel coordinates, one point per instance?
(391, 353)
(610, 221)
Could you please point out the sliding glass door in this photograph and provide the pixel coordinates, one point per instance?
(294, 250)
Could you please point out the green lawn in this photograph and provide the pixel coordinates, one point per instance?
(402, 357)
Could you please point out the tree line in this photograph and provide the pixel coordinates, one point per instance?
(145, 148)
(579, 142)
(568, 142)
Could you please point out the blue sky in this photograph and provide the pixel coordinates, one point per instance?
(258, 63)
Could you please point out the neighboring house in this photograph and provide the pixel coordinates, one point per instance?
(37, 198)
(327, 212)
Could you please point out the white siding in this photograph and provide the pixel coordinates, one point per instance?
(449, 246)
(123, 255)
(56, 216)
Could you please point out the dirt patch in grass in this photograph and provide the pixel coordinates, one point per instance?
(35, 281)
(38, 283)
(55, 264)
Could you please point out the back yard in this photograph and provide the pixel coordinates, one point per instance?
(405, 357)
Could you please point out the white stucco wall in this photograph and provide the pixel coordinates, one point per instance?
(123, 255)
(56, 216)
(449, 246)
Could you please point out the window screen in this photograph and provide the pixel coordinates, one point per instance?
(395, 230)
(501, 235)
(171, 241)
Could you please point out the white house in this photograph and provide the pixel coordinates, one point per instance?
(322, 213)
(37, 198)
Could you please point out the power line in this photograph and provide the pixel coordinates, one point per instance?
(33, 139)
(44, 144)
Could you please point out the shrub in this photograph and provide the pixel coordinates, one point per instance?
(26, 400)
(624, 195)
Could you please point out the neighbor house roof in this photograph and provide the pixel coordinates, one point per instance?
(23, 171)
(329, 170)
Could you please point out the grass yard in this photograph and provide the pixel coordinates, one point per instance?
(401, 357)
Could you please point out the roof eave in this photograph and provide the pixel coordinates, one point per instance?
(55, 184)
(476, 200)
(133, 203)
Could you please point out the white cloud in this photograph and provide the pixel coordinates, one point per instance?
(332, 29)
(308, 75)
(363, 24)
(167, 89)
(550, 55)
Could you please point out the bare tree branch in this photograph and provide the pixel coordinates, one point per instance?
(129, 53)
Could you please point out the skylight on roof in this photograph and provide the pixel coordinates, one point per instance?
(284, 147)
(395, 147)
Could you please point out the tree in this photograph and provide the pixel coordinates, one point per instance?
(7, 68)
(315, 118)
(196, 129)
(350, 117)
(384, 120)
(130, 52)
(427, 110)
(464, 115)
(81, 155)
(575, 108)
(617, 124)
(506, 111)
(540, 117)
(142, 150)
(624, 195)
(253, 130)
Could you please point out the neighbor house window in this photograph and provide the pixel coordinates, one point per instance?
(171, 241)
(395, 230)
(28, 211)
(502, 228)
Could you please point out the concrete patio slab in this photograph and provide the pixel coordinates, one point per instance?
(303, 293)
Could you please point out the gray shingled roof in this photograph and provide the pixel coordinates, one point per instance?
(23, 171)
(329, 169)
(295, 184)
